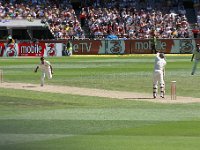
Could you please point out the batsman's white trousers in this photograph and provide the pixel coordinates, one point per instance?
(158, 78)
(44, 74)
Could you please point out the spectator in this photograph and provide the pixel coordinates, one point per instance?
(10, 40)
(82, 17)
(195, 31)
(111, 36)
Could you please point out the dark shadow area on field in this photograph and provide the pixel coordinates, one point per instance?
(140, 98)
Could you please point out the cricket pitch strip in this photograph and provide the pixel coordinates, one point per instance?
(121, 95)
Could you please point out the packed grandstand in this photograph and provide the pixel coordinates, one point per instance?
(95, 19)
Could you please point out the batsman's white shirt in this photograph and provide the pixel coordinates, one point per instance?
(159, 69)
(159, 63)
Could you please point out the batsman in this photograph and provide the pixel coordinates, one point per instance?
(159, 73)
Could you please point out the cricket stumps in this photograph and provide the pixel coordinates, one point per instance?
(173, 90)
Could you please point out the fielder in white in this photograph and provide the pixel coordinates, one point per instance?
(196, 56)
(46, 69)
(159, 73)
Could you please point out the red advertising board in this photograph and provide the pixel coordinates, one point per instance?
(140, 46)
(86, 47)
(50, 49)
(2, 49)
(95, 47)
(31, 49)
(165, 45)
(143, 46)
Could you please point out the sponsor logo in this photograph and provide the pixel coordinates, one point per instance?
(31, 49)
(11, 50)
(143, 46)
(186, 46)
(115, 46)
(51, 49)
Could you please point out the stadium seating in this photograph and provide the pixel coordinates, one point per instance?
(128, 19)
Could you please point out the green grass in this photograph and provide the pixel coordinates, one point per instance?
(113, 73)
(48, 121)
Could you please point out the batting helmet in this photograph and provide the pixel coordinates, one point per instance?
(162, 55)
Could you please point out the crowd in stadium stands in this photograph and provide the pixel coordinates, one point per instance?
(61, 19)
(196, 27)
(132, 19)
(132, 23)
